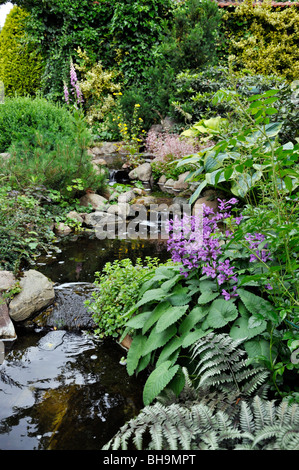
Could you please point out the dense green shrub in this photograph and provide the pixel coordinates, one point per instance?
(20, 65)
(118, 33)
(192, 38)
(195, 91)
(47, 144)
(24, 228)
(264, 40)
(118, 289)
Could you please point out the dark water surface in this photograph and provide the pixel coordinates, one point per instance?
(75, 395)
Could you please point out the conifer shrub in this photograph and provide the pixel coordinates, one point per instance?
(264, 40)
(47, 145)
(21, 66)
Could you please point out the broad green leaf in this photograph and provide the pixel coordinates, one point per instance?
(158, 380)
(221, 312)
(195, 316)
(273, 128)
(173, 345)
(167, 285)
(257, 347)
(155, 315)
(241, 328)
(207, 297)
(135, 352)
(194, 336)
(170, 316)
(143, 363)
(157, 339)
(197, 192)
(177, 383)
(258, 306)
(151, 296)
(138, 320)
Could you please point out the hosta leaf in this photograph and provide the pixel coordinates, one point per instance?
(170, 316)
(221, 312)
(157, 339)
(158, 380)
(135, 352)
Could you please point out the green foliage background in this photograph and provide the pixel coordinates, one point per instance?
(21, 65)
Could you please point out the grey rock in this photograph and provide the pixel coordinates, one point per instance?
(7, 330)
(62, 229)
(142, 172)
(37, 292)
(128, 196)
(7, 280)
(51, 340)
(75, 216)
(95, 218)
(97, 202)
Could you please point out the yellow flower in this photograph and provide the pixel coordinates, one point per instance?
(137, 105)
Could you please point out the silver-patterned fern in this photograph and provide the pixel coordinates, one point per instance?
(217, 410)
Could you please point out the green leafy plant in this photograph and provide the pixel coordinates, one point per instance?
(117, 290)
(214, 411)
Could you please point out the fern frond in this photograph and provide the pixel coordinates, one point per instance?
(221, 363)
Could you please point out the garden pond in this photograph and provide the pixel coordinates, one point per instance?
(73, 392)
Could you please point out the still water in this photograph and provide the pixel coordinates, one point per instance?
(76, 394)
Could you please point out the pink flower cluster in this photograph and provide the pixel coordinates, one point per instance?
(76, 91)
(165, 145)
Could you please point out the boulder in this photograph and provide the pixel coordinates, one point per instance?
(62, 230)
(37, 292)
(146, 201)
(97, 202)
(75, 216)
(94, 218)
(208, 201)
(7, 330)
(7, 280)
(126, 197)
(122, 210)
(142, 172)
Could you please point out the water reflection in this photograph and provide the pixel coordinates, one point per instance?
(80, 259)
(73, 397)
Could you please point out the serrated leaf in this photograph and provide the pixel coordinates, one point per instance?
(256, 305)
(196, 314)
(173, 345)
(155, 315)
(158, 380)
(158, 339)
(207, 297)
(170, 316)
(193, 336)
(241, 330)
(135, 352)
(151, 296)
(138, 321)
(221, 312)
